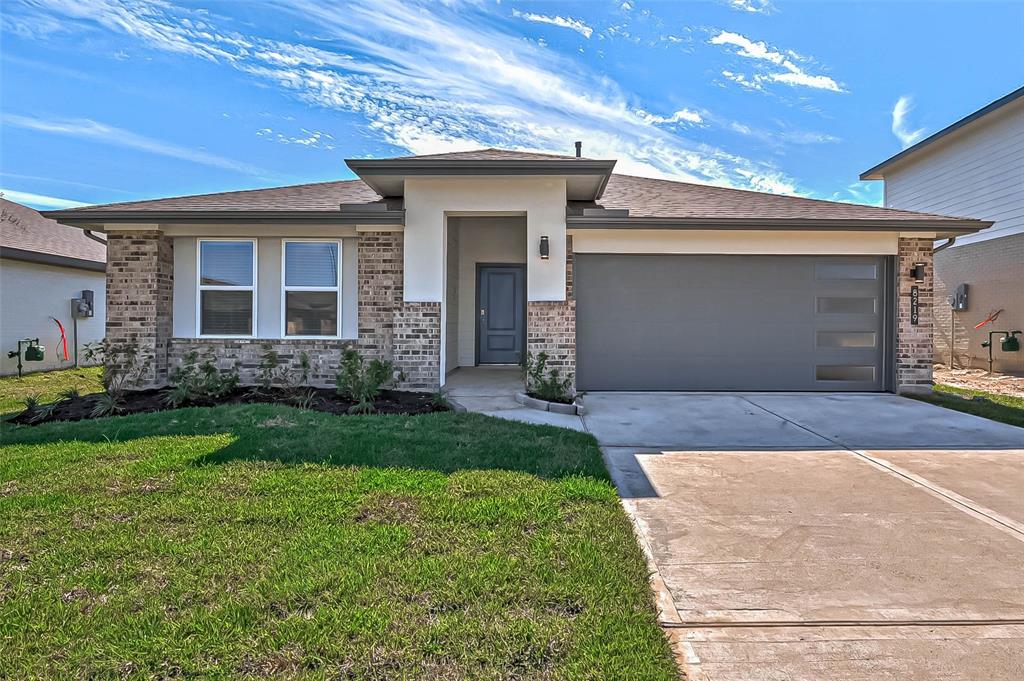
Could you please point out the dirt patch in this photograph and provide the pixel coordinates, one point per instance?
(388, 509)
(316, 399)
(979, 379)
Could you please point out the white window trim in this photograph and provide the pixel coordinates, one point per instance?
(340, 320)
(200, 287)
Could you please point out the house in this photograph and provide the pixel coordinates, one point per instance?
(973, 167)
(43, 267)
(452, 260)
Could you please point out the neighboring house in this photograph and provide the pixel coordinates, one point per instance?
(974, 167)
(453, 260)
(43, 266)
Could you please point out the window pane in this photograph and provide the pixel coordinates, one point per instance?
(846, 339)
(846, 305)
(226, 263)
(311, 264)
(844, 373)
(842, 270)
(226, 313)
(311, 313)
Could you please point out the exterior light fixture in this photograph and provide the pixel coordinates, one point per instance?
(917, 272)
(545, 248)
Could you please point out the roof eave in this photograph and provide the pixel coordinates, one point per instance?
(940, 226)
(51, 259)
(90, 218)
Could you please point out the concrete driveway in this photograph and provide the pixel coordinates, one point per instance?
(824, 536)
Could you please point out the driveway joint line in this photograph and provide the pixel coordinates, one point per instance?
(788, 624)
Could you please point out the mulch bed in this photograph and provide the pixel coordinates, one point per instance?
(323, 399)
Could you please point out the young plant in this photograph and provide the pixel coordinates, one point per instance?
(543, 382)
(122, 364)
(107, 404)
(70, 394)
(270, 364)
(32, 402)
(361, 382)
(192, 382)
(305, 399)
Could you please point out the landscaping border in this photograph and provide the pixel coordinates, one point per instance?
(574, 409)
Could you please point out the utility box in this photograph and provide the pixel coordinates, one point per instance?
(84, 306)
(35, 353)
(1010, 343)
(958, 301)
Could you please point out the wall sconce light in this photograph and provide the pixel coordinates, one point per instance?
(917, 272)
(545, 248)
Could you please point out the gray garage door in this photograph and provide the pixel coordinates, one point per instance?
(730, 322)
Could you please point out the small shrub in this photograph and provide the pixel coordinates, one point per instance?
(270, 365)
(122, 365)
(543, 382)
(70, 394)
(32, 402)
(192, 382)
(305, 399)
(361, 382)
(440, 400)
(107, 404)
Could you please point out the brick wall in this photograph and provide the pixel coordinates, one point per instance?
(247, 356)
(994, 273)
(380, 256)
(551, 325)
(417, 345)
(140, 281)
(914, 343)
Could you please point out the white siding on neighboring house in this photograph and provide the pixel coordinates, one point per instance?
(31, 293)
(977, 172)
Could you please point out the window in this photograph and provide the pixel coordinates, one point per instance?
(311, 293)
(226, 292)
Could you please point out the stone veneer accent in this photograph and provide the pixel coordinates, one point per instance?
(417, 345)
(914, 343)
(140, 289)
(551, 325)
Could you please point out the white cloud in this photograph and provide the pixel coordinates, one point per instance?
(427, 79)
(314, 139)
(754, 6)
(39, 201)
(565, 22)
(793, 74)
(900, 125)
(84, 128)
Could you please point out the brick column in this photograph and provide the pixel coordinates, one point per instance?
(551, 325)
(380, 290)
(417, 345)
(140, 289)
(914, 354)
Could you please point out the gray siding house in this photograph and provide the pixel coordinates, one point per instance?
(974, 167)
(453, 260)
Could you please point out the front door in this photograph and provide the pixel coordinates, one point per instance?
(501, 308)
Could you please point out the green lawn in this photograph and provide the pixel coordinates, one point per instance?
(48, 385)
(996, 407)
(261, 540)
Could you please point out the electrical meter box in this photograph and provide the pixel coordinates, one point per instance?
(84, 306)
(958, 301)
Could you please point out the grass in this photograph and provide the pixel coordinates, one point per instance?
(1005, 408)
(48, 385)
(261, 540)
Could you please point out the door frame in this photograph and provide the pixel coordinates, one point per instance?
(476, 307)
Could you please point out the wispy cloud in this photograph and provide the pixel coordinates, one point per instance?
(84, 128)
(314, 139)
(565, 22)
(39, 201)
(425, 78)
(789, 70)
(900, 124)
(752, 6)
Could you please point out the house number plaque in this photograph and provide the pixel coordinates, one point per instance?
(915, 299)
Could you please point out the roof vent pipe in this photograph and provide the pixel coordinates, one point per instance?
(579, 149)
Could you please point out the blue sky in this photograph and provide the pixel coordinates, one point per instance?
(107, 101)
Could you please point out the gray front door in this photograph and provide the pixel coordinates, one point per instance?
(731, 322)
(501, 311)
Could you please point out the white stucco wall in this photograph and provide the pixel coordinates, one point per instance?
(268, 287)
(429, 200)
(494, 240)
(30, 294)
(738, 242)
(977, 172)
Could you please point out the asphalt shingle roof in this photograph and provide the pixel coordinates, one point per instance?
(644, 197)
(26, 230)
